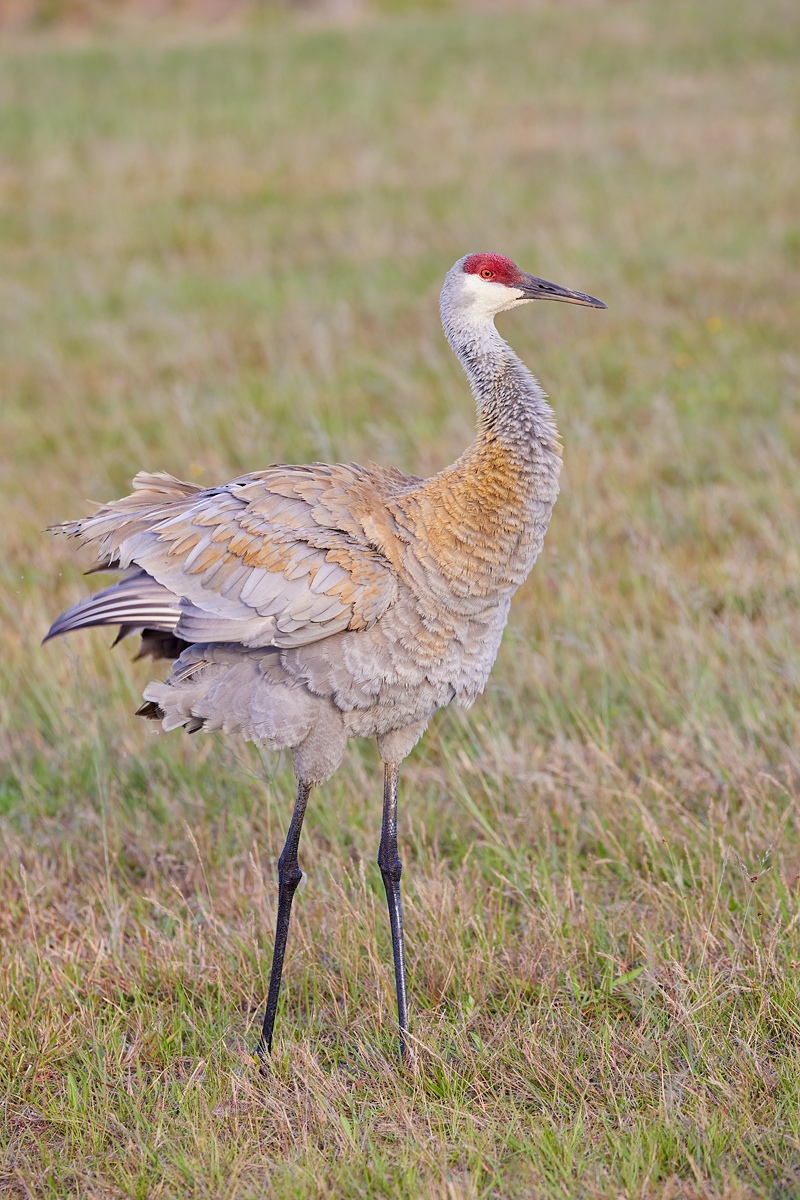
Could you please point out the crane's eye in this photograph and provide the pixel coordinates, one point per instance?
(486, 273)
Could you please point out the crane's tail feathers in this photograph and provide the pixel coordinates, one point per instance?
(135, 604)
(249, 692)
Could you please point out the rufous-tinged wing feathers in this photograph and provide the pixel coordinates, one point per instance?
(282, 557)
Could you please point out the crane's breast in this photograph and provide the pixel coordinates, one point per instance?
(474, 531)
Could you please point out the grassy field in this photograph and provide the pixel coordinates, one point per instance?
(223, 250)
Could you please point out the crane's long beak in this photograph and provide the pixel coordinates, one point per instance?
(533, 288)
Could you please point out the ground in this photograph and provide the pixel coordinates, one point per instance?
(221, 246)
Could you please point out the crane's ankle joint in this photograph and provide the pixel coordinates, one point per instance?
(391, 869)
(289, 875)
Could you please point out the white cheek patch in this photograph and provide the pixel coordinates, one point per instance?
(485, 297)
(482, 295)
(514, 296)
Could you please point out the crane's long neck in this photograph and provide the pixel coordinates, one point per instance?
(512, 407)
(493, 505)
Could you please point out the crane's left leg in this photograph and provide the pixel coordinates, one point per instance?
(391, 870)
(289, 876)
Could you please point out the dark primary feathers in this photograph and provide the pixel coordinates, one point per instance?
(137, 604)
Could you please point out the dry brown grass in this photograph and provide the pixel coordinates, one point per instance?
(227, 252)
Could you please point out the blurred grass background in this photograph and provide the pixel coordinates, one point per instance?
(222, 236)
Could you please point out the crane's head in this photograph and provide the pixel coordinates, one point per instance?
(486, 284)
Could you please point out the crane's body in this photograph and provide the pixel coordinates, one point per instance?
(310, 604)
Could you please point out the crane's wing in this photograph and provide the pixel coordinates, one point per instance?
(279, 558)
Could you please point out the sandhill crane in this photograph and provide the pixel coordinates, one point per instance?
(310, 604)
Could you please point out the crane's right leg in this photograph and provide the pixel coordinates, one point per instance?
(391, 870)
(289, 876)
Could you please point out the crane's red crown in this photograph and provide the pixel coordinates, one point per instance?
(494, 268)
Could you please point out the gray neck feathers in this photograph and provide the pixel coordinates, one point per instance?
(511, 404)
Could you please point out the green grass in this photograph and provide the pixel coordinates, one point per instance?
(222, 250)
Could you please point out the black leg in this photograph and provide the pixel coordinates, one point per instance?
(289, 876)
(391, 870)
